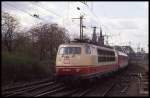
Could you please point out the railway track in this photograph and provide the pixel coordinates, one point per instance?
(49, 89)
(37, 89)
(108, 90)
(52, 88)
(23, 89)
(143, 83)
(24, 85)
(108, 84)
(68, 90)
(65, 93)
(101, 87)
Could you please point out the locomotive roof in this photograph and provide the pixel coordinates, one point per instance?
(121, 53)
(104, 47)
(87, 42)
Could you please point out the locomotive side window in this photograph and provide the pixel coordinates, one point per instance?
(70, 50)
(105, 56)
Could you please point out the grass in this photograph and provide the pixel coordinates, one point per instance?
(22, 67)
(16, 58)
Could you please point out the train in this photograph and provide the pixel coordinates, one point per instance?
(86, 61)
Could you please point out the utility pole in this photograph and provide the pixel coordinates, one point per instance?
(81, 26)
(138, 47)
(82, 31)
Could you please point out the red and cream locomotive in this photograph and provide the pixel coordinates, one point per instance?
(87, 60)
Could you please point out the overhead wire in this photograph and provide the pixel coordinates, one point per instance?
(23, 11)
(30, 13)
(96, 17)
(40, 7)
(53, 13)
(47, 10)
(99, 21)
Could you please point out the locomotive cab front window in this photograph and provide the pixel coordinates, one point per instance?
(69, 50)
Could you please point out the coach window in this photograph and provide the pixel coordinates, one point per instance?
(87, 50)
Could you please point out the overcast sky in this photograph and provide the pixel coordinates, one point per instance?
(125, 22)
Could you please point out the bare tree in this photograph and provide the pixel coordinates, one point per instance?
(22, 41)
(47, 38)
(9, 26)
